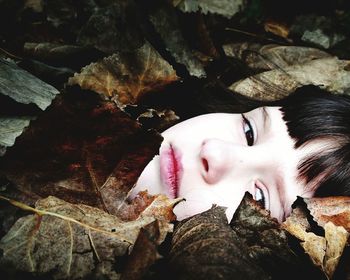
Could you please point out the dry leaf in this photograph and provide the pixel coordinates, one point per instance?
(272, 56)
(166, 22)
(336, 238)
(324, 251)
(277, 28)
(315, 247)
(328, 73)
(330, 209)
(68, 240)
(125, 77)
(226, 8)
(23, 87)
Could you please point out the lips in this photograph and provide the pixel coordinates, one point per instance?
(171, 170)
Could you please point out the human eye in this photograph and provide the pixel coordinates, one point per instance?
(260, 197)
(248, 131)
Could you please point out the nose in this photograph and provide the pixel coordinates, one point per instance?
(220, 158)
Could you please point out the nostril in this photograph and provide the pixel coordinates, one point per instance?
(205, 164)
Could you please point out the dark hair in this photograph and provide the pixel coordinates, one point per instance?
(311, 113)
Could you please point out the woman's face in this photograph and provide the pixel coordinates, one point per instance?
(216, 158)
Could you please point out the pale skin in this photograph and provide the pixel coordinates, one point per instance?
(216, 158)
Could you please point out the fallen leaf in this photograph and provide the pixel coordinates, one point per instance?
(337, 238)
(113, 28)
(253, 246)
(61, 55)
(81, 149)
(125, 77)
(324, 251)
(327, 73)
(166, 23)
(10, 129)
(68, 240)
(35, 5)
(225, 8)
(144, 253)
(330, 209)
(272, 56)
(277, 28)
(24, 87)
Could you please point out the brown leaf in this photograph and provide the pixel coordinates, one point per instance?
(252, 247)
(125, 77)
(272, 56)
(336, 238)
(166, 22)
(324, 251)
(145, 205)
(330, 209)
(277, 28)
(82, 150)
(68, 240)
(328, 73)
(144, 253)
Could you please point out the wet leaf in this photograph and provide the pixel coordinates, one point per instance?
(68, 240)
(24, 87)
(328, 73)
(225, 8)
(166, 23)
(272, 56)
(125, 77)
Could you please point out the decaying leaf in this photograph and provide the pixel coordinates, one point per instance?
(205, 247)
(82, 150)
(69, 240)
(324, 251)
(225, 8)
(167, 25)
(328, 73)
(144, 253)
(10, 129)
(24, 87)
(113, 28)
(125, 77)
(272, 56)
(60, 55)
(253, 246)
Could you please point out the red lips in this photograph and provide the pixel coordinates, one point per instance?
(171, 170)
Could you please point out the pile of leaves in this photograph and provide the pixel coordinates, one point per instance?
(87, 86)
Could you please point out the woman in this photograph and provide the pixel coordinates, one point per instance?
(299, 146)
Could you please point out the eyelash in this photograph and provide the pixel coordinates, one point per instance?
(249, 134)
